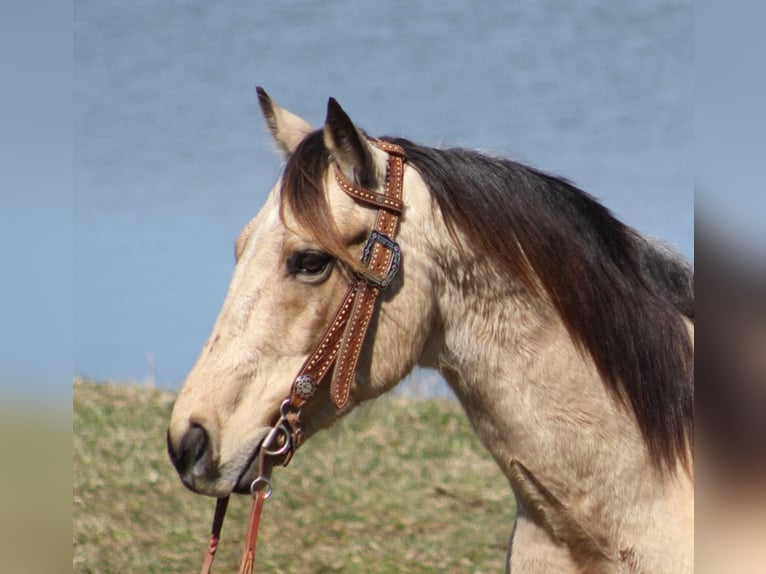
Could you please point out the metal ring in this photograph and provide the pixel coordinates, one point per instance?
(282, 449)
(283, 407)
(261, 480)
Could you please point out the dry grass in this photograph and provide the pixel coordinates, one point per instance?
(403, 486)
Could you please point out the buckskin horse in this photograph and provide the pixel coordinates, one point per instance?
(566, 335)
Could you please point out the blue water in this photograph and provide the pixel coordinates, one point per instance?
(171, 156)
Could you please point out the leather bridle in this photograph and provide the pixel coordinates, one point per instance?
(339, 347)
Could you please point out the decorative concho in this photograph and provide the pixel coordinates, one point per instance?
(304, 387)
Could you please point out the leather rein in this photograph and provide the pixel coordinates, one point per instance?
(340, 346)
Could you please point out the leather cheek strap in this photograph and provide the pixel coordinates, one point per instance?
(342, 342)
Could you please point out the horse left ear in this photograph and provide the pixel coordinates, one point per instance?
(349, 146)
(287, 129)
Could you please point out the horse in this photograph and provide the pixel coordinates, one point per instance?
(566, 335)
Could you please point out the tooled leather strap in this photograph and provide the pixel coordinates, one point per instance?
(381, 259)
(342, 342)
(248, 554)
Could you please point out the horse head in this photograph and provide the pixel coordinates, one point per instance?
(294, 262)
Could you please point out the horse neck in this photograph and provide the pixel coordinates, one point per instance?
(571, 451)
(537, 403)
(529, 392)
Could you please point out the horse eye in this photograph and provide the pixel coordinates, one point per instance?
(308, 263)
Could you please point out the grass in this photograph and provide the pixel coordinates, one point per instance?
(35, 486)
(402, 486)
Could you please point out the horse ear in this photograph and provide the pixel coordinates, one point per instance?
(353, 153)
(287, 129)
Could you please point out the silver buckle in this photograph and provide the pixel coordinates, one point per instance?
(393, 263)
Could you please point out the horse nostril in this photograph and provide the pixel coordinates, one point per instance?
(191, 449)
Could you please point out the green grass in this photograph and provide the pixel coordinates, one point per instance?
(401, 486)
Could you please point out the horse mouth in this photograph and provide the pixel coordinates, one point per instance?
(251, 470)
(279, 451)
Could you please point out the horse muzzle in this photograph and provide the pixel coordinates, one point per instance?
(192, 453)
(195, 454)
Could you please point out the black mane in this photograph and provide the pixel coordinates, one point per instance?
(621, 297)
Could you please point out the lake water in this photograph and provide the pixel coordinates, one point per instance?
(172, 159)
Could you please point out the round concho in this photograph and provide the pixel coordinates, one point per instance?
(304, 387)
